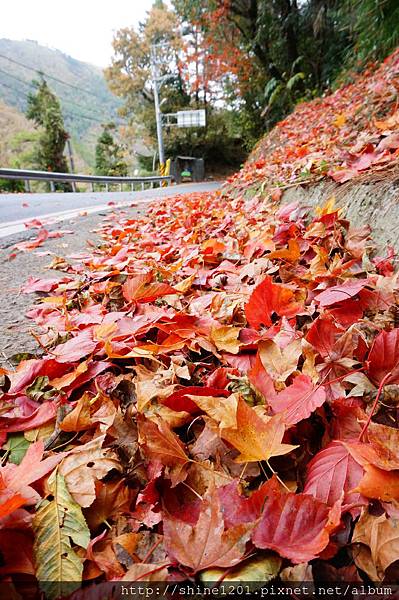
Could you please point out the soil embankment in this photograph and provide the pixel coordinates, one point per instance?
(372, 201)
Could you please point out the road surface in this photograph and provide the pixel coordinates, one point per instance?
(16, 209)
(14, 328)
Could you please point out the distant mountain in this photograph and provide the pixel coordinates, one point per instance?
(85, 98)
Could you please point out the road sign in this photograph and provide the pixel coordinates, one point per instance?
(191, 118)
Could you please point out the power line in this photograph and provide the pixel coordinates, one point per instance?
(66, 114)
(79, 89)
(9, 87)
(63, 101)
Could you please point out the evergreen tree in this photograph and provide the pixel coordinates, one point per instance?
(45, 110)
(109, 154)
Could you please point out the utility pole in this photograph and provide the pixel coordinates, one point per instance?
(158, 114)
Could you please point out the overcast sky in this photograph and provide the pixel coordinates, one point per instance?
(81, 28)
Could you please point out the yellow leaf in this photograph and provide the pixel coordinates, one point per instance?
(41, 433)
(255, 437)
(222, 410)
(104, 331)
(340, 120)
(327, 208)
(56, 524)
(226, 339)
(185, 284)
(56, 300)
(257, 570)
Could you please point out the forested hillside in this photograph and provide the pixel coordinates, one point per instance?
(81, 88)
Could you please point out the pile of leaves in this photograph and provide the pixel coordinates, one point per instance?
(340, 136)
(214, 398)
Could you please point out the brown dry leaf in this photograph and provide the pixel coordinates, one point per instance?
(83, 466)
(279, 362)
(226, 339)
(79, 418)
(146, 572)
(112, 499)
(159, 442)
(205, 544)
(301, 572)
(377, 544)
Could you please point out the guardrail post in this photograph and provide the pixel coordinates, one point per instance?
(27, 185)
(52, 186)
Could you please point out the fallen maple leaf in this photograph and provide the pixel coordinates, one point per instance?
(141, 289)
(205, 544)
(383, 360)
(226, 338)
(297, 526)
(256, 438)
(238, 509)
(279, 362)
(268, 298)
(377, 541)
(16, 480)
(331, 472)
(159, 442)
(379, 484)
(339, 293)
(83, 466)
(298, 400)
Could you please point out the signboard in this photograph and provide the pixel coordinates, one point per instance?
(191, 118)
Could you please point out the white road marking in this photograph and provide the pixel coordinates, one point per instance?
(12, 227)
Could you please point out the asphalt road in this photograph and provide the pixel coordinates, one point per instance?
(16, 209)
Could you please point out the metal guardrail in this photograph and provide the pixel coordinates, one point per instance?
(28, 176)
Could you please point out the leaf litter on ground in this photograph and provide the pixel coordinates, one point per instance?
(216, 387)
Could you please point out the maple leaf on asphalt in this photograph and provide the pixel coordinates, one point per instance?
(255, 437)
(298, 400)
(268, 298)
(205, 544)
